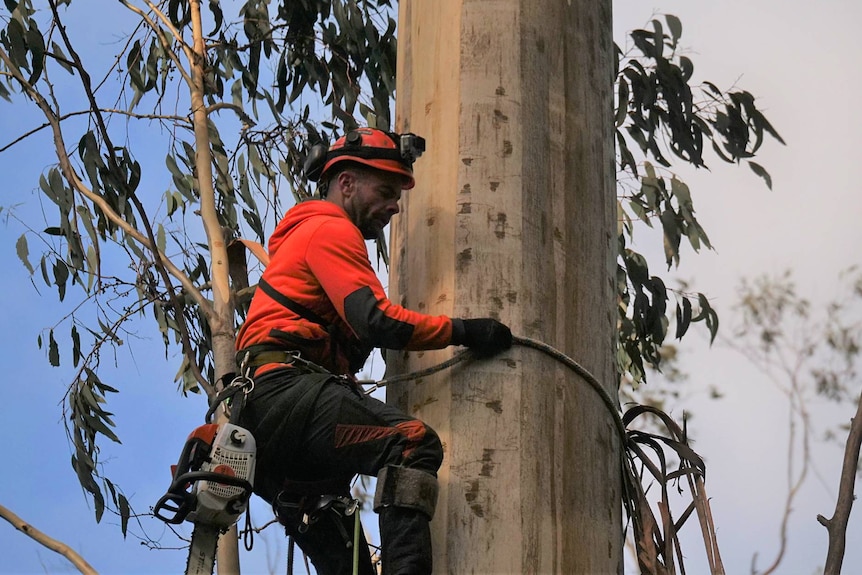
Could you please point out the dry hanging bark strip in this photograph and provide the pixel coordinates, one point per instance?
(646, 456)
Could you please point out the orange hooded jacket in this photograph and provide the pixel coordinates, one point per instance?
(318, 260)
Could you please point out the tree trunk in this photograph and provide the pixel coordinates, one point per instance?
(222, 319)
(514, 216)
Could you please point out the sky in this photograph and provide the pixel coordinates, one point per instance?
(799, 59)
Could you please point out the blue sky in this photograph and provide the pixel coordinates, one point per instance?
(800, 60)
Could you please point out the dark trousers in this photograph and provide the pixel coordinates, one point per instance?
(315, 432)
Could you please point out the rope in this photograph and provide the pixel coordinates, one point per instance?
(455, 359)
(580, 370)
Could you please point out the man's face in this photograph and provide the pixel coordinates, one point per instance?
(373, 200)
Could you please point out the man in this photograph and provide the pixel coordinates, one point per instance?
(318, 312)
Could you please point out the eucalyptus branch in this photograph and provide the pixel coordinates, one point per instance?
(117, 111)
(107, 335)
(176, 304)
(79, 562)
(72, 177)
(162, 39)
(159, 262)
(149, 243)
(117, 60)
(246, 119)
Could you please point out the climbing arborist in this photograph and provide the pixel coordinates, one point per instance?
(318, 312)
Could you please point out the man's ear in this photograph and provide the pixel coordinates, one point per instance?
(346, 182)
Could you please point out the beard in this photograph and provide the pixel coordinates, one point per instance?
(371, 231)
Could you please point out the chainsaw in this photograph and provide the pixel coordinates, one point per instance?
(211, 486)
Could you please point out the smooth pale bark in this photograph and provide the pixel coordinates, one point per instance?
(79, 562)
(514, 216)
(221, 319)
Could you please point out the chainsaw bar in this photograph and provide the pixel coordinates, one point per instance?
(202, 553)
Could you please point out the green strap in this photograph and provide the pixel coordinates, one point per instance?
(356, 527)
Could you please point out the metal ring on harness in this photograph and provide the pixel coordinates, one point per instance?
(239, 382)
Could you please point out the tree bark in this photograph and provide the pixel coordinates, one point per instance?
(514, 216)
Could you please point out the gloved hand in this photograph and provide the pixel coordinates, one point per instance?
(485, 336)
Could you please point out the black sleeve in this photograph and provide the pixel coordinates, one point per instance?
(371, 325)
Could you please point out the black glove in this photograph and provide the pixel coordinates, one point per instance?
(485, 336)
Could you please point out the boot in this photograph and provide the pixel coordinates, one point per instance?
(405, 537)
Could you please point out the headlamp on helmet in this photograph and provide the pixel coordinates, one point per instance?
(374, 148)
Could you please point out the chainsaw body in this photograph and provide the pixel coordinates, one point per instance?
(212, 482)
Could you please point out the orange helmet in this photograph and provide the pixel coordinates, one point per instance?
(374, 148)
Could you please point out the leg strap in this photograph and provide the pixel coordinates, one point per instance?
(406, 487)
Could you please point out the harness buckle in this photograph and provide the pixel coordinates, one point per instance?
(243, 382)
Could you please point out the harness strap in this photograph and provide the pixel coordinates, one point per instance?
(292, 305)
(335, 335)
(255, 356)
(239, 383)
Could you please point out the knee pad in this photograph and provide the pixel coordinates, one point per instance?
(407, 488)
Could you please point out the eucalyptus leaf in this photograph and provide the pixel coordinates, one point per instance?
(760, 171)
(23, 252)
(53, 350)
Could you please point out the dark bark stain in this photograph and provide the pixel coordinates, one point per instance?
(540, 45)
(471, 496)
(427, 401)
(500, 227)
(487, 462)
(496, 406)
(464, 259)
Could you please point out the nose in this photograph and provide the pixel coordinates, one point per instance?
(393, 207)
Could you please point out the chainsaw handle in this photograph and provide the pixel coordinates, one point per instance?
(180, 504)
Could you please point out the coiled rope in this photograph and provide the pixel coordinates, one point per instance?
(580, 370)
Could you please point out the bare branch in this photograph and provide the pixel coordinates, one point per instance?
(47, 541)
(837, 525)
